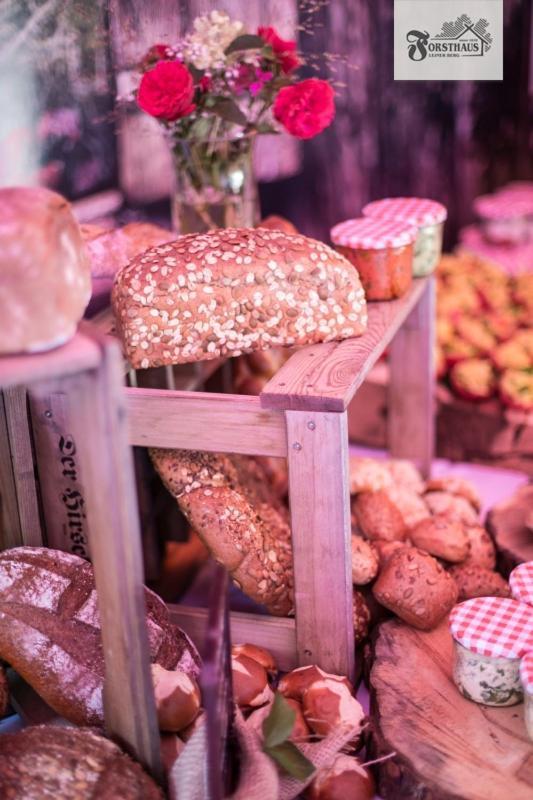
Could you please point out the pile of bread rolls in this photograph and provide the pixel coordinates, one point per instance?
(323, 703)
(420, 543)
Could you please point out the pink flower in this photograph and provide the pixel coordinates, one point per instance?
(305, 108)
(205, 83)
(157, 52)
(166, 91)
(251, 79)
(284, 49)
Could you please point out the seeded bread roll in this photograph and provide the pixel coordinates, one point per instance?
(231, 291)
(415, 586)
(49, 761)
(482, 551)
(474, 581)
(50, 631)
(378, 517)
(442, 538)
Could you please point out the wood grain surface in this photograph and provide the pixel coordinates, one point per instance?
(511, 526)
(77, 354)
(325, 377)
(207, 421)
(447, 748)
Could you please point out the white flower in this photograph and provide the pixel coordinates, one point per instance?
(212, 34)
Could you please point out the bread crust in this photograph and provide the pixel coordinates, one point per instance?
(378, 517)
(475, 581)
(232, 291)
(442, 538)
(50, 631)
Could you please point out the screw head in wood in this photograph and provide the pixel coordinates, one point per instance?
(311, 425)
(297, 446)
(48, 414)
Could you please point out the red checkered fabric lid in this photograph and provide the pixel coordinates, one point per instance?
(493, 626)
(526, 672)
(504, 205)
(373, 234)
(521, 583)
(415, 210)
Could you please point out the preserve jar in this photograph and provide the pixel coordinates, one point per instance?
(526, 677)
(427, 215)
(382, 253)
(505, 216)
(491, 635)
(521, 583)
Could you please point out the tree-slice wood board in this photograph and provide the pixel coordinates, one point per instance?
(447, 748)
(511, 526)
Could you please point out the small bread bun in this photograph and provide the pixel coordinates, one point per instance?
(368, 475)
(457, 486)
(250, 682)
(171, 749)
(345, 779)
(295, 683)
(258, 654)
(409, 503)
(177, 698)
(482, 551)
(361, 616)
(452, 506)
(442, 538)
(473, 581)
(378, 517)
(300, 731)
(276, 223)
(365, 561)
(328, 705)
(386, 549)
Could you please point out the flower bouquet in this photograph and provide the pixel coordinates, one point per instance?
(214, 92)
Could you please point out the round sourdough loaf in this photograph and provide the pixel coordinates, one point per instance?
(226, 292)
(49, 761)
(109, 251)
(45, 281)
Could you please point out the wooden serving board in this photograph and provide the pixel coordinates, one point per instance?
(511, 526)
(447, 748)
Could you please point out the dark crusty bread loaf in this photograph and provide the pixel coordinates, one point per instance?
(50, 631)
(49, 761)
(231, 291)
(229, 502)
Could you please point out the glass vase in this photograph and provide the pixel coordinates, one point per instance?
(214, 185)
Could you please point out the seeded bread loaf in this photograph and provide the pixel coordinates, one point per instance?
(50, 631)
(226, 292)
(51, 761)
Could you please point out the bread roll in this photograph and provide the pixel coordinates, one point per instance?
(49, 761)
(50, 631)
(474, 581)
(442, 538)
(482, 551)
(45, 281)
(4, 692)
(378, 517)
(109, 251)
(231, 291)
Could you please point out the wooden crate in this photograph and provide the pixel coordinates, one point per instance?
(301, 415)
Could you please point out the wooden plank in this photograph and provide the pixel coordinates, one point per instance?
(321, 539)
(77, 354)
(22, 465)
(10, 530)
(276, 634)
(411, 420)
(204, 421)
(325, 377)
(100, 430)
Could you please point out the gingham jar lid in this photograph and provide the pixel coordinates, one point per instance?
(418, 211)
(504, 205)
(493, 626)
(521, 583)
(373, 234)
(526, 672)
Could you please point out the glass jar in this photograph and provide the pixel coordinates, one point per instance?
(487, 679)
(214, 185)
(526, 677)
(427, 215)
(382, 253)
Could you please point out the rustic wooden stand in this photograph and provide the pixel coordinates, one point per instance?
(300, 415)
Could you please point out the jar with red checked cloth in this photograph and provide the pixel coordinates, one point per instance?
(521, 583)
(382, 252)
(491, 635)
(428, 216)
(526, 677)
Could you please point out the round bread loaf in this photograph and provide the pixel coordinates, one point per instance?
(45, 281)
(231, 291)
(4, 692)
(49, 761)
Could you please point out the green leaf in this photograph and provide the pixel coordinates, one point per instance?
(292, 760)
(266, 127)
(247, 41)
(277, 727)
(227, 109)
(196, 73)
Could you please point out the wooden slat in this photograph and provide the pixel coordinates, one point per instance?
(78, 354)
(204, 421)
(325, 377)
(321, 539)
(100, 430)
(276, 634)
(411, 419)
(10, 530)
(22, 465)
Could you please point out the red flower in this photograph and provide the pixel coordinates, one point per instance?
(305, 108)
(166, 91)
(284, 50)
(157, 52)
